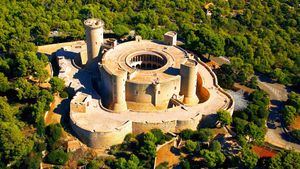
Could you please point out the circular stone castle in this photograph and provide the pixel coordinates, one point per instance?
(136, 86)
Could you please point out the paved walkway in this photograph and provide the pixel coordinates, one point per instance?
(275, 134)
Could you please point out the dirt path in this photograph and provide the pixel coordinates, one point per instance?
(168, 154)
(53, 116)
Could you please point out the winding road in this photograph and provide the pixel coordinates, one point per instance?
(276, 134)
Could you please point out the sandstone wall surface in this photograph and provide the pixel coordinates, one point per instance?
(51, 48)
(140, 127)
(98, 139)
(191, 123)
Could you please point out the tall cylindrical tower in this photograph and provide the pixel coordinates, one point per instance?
(94, 37)
(188, 73)
(119, 95)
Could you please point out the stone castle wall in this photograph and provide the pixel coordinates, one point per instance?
(51, 48)
(100, 139)
(191, 123)
(202, 93)
(148, 93)
(230, 106)
(106, 139)
(107, 84)
(167, 126)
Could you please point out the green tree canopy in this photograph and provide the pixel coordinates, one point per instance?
(256, 133)
(4, 83)
(53, 132)
(190, 146)
(149, 136)
(57, 84)
(212, 158)
(294, 100)
(7, 112)
(248, 159)
(203, 135)
(159, 135)
(120, 163)
(289, 114)
(285, 159)
(25, 90)
(186, 134)
(207, 42)
(144, 30)
(121, 30)
(13, 144)
(224, 117)
(148, 150)
(58, 157)
(215, 146)
(94, 164)
(236, 45)
(296, 134)
(185, 164)
(132, 163)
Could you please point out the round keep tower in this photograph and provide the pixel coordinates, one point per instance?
(119, 95)
(94, 37)
(188, 73)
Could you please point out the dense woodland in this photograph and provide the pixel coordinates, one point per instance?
(259, 36)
